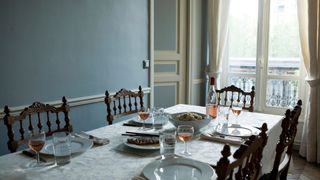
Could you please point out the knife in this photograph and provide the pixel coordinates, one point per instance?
(32, 154)
(140, 134)
(136, 125)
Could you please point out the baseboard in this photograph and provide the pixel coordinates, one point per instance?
(79, 101)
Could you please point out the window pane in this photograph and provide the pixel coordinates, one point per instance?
(284, 50)
(282, 93)
(243, 25)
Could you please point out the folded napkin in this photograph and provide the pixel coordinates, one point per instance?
(136, 124)
(96, 140)
(221, 139)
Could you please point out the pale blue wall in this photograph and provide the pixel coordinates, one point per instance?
(72, 48)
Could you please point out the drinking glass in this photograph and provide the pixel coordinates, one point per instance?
(167, 143)
(224, 112)
(143, 114)
(36, 142)
(159, 118)
(223, 117)
(236, 110)
(62, 147)
(185, 133)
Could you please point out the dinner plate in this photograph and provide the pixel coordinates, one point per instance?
(144, 147)
(78, 145)
(178, 168)
(235, 130)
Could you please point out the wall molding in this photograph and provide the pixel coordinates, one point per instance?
(73, 102)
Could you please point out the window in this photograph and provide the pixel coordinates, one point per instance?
(263, 51)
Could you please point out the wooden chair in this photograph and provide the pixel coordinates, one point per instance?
(285, 144)
(124, 102)
(33, 116)
(247, 158)
(231, 94)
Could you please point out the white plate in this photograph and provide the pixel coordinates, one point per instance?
(235, 130)
(177, 168)
(78, 145)
(144, 147)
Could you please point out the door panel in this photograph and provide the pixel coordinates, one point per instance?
(170, 52)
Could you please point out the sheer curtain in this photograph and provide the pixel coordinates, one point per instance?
(309, 22)
(218, 30)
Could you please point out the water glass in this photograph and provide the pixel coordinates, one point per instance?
(167, 143)
(62, 147)
(224, 113)
(159, 118)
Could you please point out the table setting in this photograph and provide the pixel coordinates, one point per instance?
(115, 158)
(188, 126)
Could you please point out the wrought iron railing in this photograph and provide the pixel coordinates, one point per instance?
(280, 93)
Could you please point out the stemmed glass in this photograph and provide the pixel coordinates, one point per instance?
(143, 114)
(185, 133)
(236, 110)
(36, 142)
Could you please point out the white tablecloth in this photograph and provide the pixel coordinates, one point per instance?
(104, 162)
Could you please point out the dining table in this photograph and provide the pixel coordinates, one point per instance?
(116, 161)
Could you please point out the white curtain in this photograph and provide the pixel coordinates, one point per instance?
(218, 13)
(309, 22)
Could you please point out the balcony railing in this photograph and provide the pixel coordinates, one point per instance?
(279, 92)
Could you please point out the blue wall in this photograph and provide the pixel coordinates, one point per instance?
(73, 48)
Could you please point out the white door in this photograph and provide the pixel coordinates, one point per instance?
(170, 17)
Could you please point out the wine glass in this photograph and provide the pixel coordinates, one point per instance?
(185, 133)
(236, 110)
(143, 114)
(36, 142)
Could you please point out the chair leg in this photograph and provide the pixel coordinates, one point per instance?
(284, 172)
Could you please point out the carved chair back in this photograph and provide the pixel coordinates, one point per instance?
(232, 94)
(124, 102)
(33, 118)
(247, 158)
(285, 143)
